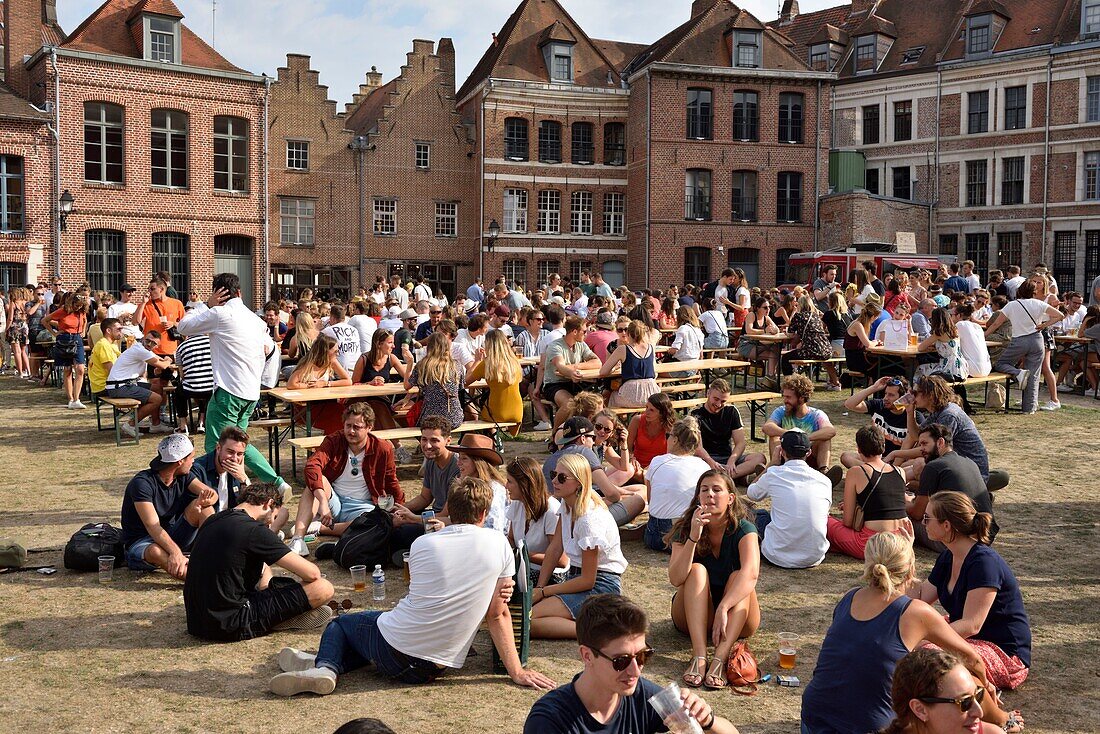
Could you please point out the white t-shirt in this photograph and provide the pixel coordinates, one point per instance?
(347, 344)
(974, 281)
(366, 326)
(498, 511)
(548, 338)
(720, 292)
(454, 574)
(422, 293)
(352, 486)
(688, 342)
(1072, 322)
(974, 350)
(1024, 315)
(118, 308)
(713, 322)
(1012, 284)
(672, 482)
(130, 365)
(596, 529)
(801, 498)
(400, 295)
(537, 536)
(861, 299)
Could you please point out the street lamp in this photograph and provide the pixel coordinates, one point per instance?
(65, 207)
(494, 232)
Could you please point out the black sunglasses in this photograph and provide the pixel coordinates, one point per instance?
(965, 703)
(560, 477)
(622, 662)
(894, 382)
(354, 466)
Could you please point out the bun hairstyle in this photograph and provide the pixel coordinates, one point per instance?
(685, 433)
(888, 563)
(958, 510)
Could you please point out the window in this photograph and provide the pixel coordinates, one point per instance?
(614, 214)
(544, 269)
(744, 196)
(912, 55)
(748, 259)
(746, 53)
(446, 219)
(515, 210)
(1010, 249)
(581, 143)
(422, 155)
(1090, 17)
(287, 281)
(1015, 108)
(580, 212)
(696, 264)
(871, 125)
(515, 271)
(819, 57)
(788, 197)
(697, 194)
(12, 275)
(1065, 258)
(297, 155)
(105, 259)
(1092, 176)
(11, 194)
(296, 222)
(977, 118)
(549, 141)
(168, 148)
(515, 139)
(614, 144)
(975, 183)
(385, 216)
(790, 118)
(549, 211)
(870, 180)
(977, 249)
(903, 120)
(162, 39)
(1092, 99)
(1092, 256)
(865, 55)
(103, 152)
(576, 267)
(231, 154)
(902, 183)
(1012, 181)
(172, 253)
(949, 244)
(782, 257)
(559, 61)
(699, 114)
(745, 116)
(614, 273)
(978, 35)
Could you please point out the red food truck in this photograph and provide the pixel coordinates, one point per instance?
(803, 268)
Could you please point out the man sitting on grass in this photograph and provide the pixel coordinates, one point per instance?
(610, 695)
(223, 469)
(723, 434)
(122, 382)
(440, 469)
(163, 508)
(797, 413)
(459, 575)
(885, 413)
(230, 594)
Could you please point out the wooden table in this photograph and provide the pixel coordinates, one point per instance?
(704, 366)
(769, 338)
(908, 357)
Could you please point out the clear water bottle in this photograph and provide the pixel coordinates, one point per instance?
(379, 583)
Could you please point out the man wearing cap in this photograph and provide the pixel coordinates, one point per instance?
(123, 383)
(801, 497)
(604, 333)
(797, 413)
(498, 320)
(125, 304)
(163, 508)
(427, 328)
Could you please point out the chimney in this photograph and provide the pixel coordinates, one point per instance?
(701, 6)
(374, 78)
(788, 12)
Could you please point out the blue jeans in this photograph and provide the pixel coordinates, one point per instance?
(182, 534)
(655, 531)
(763, 519)
(354, 640)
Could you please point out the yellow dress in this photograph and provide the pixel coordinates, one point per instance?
(505, 404)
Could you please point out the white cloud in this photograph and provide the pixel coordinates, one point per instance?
(346, 37)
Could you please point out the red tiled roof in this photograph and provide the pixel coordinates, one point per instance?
(557, 32)
(1026, 16)
(14, 107)
(802, 29)
(875, 24)
(619, 53)
(159, 7)
(369, 110)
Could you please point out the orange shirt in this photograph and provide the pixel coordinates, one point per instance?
(171, 308)
(69, 323)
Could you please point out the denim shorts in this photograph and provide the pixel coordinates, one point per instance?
(79, 358)
(606, 583)
(181, 532)
(655, 531)
(346, 509)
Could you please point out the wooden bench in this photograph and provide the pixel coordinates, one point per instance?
(309, 443)
(757, 402)
(274, 428)
(121, 407)
(680, 389)
(987, 380)
(816, 365)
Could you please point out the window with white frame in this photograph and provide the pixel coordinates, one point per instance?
(423, 155)
(296, 222)
(979, 35)
(297, 155)
(385, 216)
(865, 57)
(559, 61)
(580, 212)
(446, 219)
(576, 267)
(103, 143)
(614, 213)
(1092, 176)
(549, 211)
(746, 52)
(976, 175)
(168, 148)
(515, 271)
(515, 210)
(1090, 17)
(1012, 180)
(162, 39)
(231, 154)
(1092, 99)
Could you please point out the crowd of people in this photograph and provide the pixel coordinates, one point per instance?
(576, 354)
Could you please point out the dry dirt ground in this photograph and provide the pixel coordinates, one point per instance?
(76, 655)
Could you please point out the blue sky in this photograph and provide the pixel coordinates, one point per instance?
(346, 37)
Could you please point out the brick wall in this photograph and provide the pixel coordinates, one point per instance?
(857, 218)
(31, 142)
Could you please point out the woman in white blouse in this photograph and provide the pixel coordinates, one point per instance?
(670, 481)
(532, 513)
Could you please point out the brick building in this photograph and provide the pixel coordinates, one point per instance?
(161, 146)
(985, 112)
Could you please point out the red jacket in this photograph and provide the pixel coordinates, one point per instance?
(379, 470)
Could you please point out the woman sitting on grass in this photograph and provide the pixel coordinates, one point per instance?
(934, 693)
(648, 433)
(532, 514)
(714, 566)
(611, 447)
(670, 481)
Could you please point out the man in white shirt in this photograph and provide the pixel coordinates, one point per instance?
(422, 291)
(498, 319)
(398, 293)
(1013, 281)
(470, 340)
(239, 348)
(125, 303)
(459, 574)
(122, 383)
(793, 533)
(348, 344)
(365, 325)
(1074, 308)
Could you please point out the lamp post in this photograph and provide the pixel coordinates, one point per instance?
(494, 232)
(65, 208)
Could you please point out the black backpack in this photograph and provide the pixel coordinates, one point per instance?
(366, 542)
(95, 539)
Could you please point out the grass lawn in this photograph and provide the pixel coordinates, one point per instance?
(80, 656)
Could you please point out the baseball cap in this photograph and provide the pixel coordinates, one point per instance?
(171, 449)
(574, 428)
(127, 287)
(795, 443)
(605, 320)
(502, 310)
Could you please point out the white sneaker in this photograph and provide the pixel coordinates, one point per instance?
(832, 388)
(162, 428)
(298, 545)
(1052, 405)
(294, 661)
(286, 491)
(71, 405)
(200, 428)
(314, 528)
(128, 429)
(1066, 388)
(321, 681)
(145, 422)
(542, 426)
(1022, 379)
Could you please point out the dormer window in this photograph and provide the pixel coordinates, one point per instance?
(162, 39)
(819, 57)
(559, 60)
(979, 35)
(746, 49)
(1090, 18)
(866, 55)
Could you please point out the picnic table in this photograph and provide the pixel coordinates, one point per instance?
(907, 356)
(704, 366)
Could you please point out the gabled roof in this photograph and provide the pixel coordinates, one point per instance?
(1033, 23)
(829, 34)
(619, 53)
(14, 107)
(875, 24)
(366, 115)
(106, 31)
(157, 7)
(981, 7)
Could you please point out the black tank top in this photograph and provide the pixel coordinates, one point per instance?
(887, 500)
(369, 373)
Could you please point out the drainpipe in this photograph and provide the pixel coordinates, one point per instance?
(266, 213)
(935, 191)
(361, 180)
(57, 163)
(817, 166)
(1046, 160)
(481, 182)
(648, 165)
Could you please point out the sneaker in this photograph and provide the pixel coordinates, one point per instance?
(161, 428)
(832, 388)
(542, 426)
(294, 661)
(200, 428)
(403, 455)
(77, 405)
(182, 430)
(1052, 405)
(1067, 388)
(71, 405)
(321, 681)
(128, 429)
(286, 491)
(835, 474)
(298, 545)
(314, 528)
(1022, 379)
(145, 422)
(313, 619)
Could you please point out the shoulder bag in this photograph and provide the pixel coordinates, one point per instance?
(857, 515)
(742, 671)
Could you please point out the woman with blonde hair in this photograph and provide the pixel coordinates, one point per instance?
(438, 377)
(305, 333)
(502, 372)
(532, 514)
(588, 535)
(320, 368)
(809, 339)
(639, 367)
(874, 626)
(857, 338)
(670, 480)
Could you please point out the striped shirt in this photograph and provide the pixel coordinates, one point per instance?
(193, 356)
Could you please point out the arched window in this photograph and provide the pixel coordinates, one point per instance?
(172, 252)
(581, 143)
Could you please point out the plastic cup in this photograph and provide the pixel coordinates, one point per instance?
(106, 569)
(386, 502)
(670, 707)
(359, 577)
(405, 560)
(788, 650)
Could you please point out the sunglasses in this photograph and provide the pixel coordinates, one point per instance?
(926, 518)
(894, 382)
(435, 313)
(621, 331)
(354, 466)
(340, 607)
(965, 703)
(604, 429)
(622, 662)
(560, 477)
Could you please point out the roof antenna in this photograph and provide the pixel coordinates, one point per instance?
(214, 24)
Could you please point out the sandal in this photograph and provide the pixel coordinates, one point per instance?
(693, 677)
(1015, 723)
(716, 675)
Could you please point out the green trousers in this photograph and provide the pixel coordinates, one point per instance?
(226, 409)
